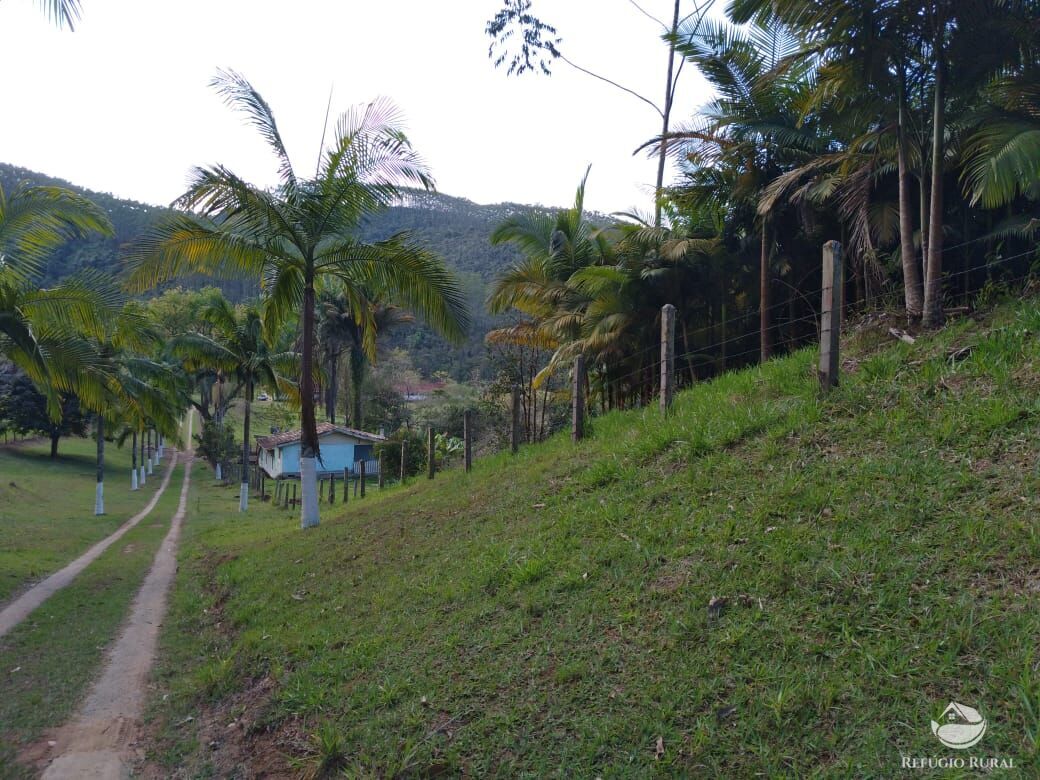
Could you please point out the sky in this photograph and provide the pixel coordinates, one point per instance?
(122, 104)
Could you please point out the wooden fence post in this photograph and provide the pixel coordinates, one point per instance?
(467, 438)
(667, 355)
(830, 315)
(361, 476)
(332, 488)
(431, 454)
(404, 456)
(381, 462)
(346, 483)
(514, 431)
(578, 400)
(294, 494)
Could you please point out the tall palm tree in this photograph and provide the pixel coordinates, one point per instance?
(306, 230)
(239, 348)
(754, 125)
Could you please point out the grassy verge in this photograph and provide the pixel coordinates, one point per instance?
(48, 662)
(47, 506)
(762, 584)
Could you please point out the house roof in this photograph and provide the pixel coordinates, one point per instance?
(292, 437)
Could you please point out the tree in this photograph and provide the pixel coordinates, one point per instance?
(121, 384)
(239, 348)
(40, 328)
(24, 409)
(304, 231)
(539, 47)
(340, 329)
(754, 126)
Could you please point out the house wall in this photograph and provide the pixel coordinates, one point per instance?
(338, 451)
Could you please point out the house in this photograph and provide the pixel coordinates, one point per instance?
(341, 447)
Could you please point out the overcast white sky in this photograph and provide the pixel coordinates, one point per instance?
(121, 105)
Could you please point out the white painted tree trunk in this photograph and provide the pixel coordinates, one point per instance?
(133, 479)
(150, 472)
(243, 497)
(217, 472)
(309, 488)
(99, 499)
(142, 476)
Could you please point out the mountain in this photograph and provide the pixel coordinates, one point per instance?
(455, 228)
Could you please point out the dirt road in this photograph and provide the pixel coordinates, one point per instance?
(19, 609)
(99, 741)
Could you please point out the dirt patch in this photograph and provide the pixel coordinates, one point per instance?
(129, 548)
(673, 576)
(242, 742)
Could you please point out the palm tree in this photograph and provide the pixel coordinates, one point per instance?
(306, 230)
(238, 347)
(340, 313)
(121, 385)
(754, 126)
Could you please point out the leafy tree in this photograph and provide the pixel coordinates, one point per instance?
(215, 442)
(24, 410)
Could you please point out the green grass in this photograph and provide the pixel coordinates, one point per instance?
(48, 661)
(47, 506)
(871, 556)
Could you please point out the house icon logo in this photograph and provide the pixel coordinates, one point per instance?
(960, 726)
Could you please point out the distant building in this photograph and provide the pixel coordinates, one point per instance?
(341, 447)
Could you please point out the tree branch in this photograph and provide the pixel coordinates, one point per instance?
(632, 92)
(648, 15)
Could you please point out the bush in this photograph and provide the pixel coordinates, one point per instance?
(216, 443)
(415, 453)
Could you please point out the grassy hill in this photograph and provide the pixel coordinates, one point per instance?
(762, 584)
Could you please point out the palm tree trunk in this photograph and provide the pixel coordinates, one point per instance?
(133, 463)
(357, 377)
(218, 416)
(151, 453)
(99, 491)
(666, 116)
(933, 315)
(55, 438)
(766, 345)
(243, 489)
(913, 290)
(141, 476)
(309, 451)
(330, 404)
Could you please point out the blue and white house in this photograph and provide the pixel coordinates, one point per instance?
(279, 454)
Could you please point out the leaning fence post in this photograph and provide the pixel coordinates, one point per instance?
(830, 315)
(430, 454)
(467, 438)
(667, 355)
(361, 476)
(578, 400)
(514, 431)
(381, 461)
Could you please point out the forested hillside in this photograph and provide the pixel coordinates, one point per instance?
(455, 228)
